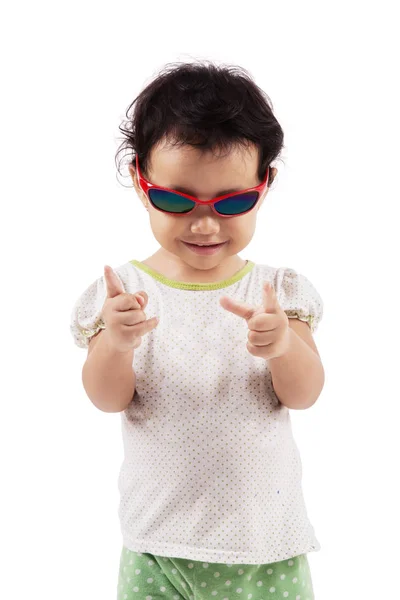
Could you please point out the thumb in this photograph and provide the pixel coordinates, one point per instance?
(113, 284)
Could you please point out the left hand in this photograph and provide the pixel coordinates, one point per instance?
(269, 331)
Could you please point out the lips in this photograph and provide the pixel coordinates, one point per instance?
(205, 249)
(203, 243)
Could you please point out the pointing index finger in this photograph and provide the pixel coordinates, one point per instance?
(241, 309)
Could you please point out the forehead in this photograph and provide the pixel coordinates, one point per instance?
(203, 172)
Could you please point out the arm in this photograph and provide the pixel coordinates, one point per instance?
(298, 376)
(108, 376)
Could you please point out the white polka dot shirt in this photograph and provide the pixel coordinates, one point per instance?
(211, 471)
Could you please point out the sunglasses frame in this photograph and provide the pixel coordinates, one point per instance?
(146, 186)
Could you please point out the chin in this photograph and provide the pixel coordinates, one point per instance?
(204, 263)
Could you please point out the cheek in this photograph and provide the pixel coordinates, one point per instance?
(245, 228)
(164, 226)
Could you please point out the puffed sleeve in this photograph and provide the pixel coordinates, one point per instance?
(86, 319)
(298, 297)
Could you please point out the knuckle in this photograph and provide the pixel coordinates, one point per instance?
(140, 328)
(251, 336)
(138, 316)
(144, 295)
(250, 348)
(127, 301)
(132, 317)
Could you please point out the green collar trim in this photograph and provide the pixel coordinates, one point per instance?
(195, 286)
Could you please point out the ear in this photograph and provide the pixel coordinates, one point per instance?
(272, 175)
(139, 191)
(132, 172)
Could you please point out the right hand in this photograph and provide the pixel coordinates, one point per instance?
(123, 314)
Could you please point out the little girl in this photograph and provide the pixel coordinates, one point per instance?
(211, 501)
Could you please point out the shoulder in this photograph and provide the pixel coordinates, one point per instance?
(290, 282)
(295, 292)
(86, 314)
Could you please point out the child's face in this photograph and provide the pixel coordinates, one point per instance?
(204, 176)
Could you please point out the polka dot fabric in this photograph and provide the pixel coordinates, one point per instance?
(86, 319)
(211, 471)
(299, 297)
(149, 577)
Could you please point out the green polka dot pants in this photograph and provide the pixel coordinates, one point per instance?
(145, 576)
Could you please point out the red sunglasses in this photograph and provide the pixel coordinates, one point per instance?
(178, 203)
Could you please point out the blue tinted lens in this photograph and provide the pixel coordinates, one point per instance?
(235, 205)
(170, 202)
(174, 203)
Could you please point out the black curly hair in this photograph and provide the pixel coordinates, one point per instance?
(203, 105)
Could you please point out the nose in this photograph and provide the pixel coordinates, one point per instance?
(205, 221)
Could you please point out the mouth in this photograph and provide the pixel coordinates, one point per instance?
(204, 249)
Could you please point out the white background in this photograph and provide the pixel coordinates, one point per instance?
(69, 71)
